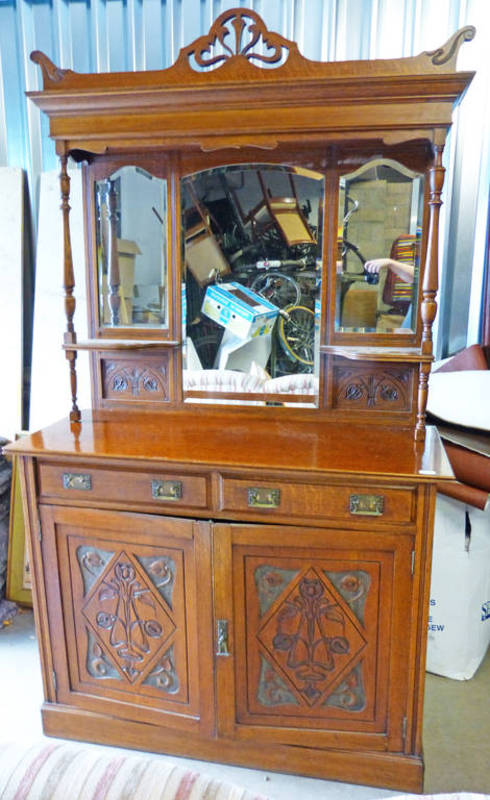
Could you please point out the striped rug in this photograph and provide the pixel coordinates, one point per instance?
(54, 771)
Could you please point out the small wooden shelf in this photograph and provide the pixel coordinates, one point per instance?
(120, 344)
(406, 354)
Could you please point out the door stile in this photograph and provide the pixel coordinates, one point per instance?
(34, 548)
(54, 603)
(205, 640)
(401, 622)
(224, 640)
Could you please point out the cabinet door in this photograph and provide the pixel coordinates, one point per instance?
(316, 625)
(123, 614)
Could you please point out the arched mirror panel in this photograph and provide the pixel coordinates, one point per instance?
(378, 248)
(252, 243)
(130, 208)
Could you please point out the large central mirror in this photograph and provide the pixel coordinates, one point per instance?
(252, 278)
(378, 248)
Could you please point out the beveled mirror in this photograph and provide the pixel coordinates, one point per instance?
(130, 207)
(252, 239)
(378, 248)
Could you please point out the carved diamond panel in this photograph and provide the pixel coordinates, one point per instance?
(127, 614)
(311, 636)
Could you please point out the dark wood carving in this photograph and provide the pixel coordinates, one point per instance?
(354, 587)
(372, 388)
(99, 664)
(272, 690)
(92, 563)
(128, 618)
(128, 622)
(349, 694)
(135, 380)
(164, 674)
(309, 638)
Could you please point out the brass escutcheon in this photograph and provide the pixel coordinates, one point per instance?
(166, 490)
(264, 498)
(222, 637)
(77, 480)
(370, 505)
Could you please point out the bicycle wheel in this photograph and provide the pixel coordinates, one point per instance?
(206, 337)
(297, 334)
(278, 288)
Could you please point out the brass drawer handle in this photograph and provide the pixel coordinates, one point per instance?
(222, 637)
(166, 490)
(77, 480)
(264, 498)
(369, 505)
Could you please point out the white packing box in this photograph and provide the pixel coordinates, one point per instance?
(459, 615)
(242, 312)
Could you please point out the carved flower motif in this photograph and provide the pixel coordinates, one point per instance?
(124, 572)
(339, 644)
(105, 620)
(282, 641)
(273, 578)
(311, 589)
(119, 383)
(159, 568)
(93, 559)
(350, 583)
(150, 384)
(153, 628)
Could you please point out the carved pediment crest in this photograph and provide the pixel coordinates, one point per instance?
(238, 32)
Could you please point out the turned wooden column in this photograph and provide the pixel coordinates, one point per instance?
(430, 285)
(70, 337)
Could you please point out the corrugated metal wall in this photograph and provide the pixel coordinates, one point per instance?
(103, 35)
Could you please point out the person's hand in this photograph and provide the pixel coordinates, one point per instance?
(404, 271)
(376, 265)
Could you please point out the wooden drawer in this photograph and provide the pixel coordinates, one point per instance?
(299, 501)
(78, 483)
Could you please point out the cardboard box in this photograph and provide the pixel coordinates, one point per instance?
(242, 312)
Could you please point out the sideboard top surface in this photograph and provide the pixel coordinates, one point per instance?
(228, 441)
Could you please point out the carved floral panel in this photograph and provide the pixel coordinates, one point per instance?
(129, 619)
(368, 387)
(310, 635)
(135, 379)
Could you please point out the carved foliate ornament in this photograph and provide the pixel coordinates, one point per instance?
(128, 610)
(125, 380)
(238, 32)
(373, 388)
(309, 637)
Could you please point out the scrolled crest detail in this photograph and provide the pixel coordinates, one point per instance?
(238, 32)
(51, 73)
(449, 50)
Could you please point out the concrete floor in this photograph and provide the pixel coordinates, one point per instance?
(21, 696)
